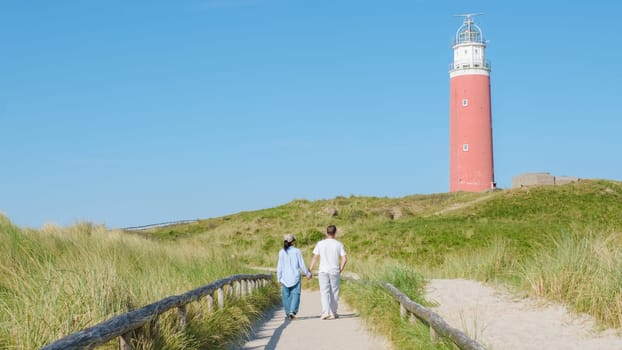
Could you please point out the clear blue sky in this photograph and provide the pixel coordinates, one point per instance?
(135, 112)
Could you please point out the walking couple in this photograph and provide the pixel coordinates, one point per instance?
(332, 256)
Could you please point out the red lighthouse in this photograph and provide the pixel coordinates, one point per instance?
(470, 118)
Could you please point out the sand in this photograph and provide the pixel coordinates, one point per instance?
(498, 320)
(495, 318)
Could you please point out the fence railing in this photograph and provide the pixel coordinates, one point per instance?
(160, 224)
(122, 326)
(409, 308)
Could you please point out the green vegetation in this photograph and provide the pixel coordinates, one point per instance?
(421, 229)
(382, 313)
(558, 242)
(511, 236)
(583, 269)
(55, 281)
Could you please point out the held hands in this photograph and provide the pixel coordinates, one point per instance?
(309, 275)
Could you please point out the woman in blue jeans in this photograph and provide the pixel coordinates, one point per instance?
(288, 274)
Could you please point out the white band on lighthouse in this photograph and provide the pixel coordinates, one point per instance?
(469, 71)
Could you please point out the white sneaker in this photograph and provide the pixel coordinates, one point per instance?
(325, 316)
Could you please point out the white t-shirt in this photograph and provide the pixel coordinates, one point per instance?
(329, 250)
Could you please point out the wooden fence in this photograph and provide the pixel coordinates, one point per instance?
(160, 224)
(122, 326)
(437, 325)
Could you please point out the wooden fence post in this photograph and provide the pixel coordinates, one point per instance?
(244, 285)
(236, 290)
(182, 316)
(433, 335)
(155, 324)
(125, 341)
(210, 303)
(221, 298)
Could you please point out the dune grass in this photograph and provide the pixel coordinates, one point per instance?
(584, 270)
(56, 281)
(558, 242)
(581, 269)
(415, 229)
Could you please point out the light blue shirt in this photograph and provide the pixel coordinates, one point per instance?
(289, 266)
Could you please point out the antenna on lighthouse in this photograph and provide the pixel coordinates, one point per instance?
(469, 16)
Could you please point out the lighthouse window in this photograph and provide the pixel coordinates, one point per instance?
(465, 147)
(465, 102)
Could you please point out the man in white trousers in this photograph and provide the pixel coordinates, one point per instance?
(329, 251)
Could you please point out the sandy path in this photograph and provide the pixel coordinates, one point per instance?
(308, 331)
(499, 321)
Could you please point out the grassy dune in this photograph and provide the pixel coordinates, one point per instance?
(422, 230)
(562, 243)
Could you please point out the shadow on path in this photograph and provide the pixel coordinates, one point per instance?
(309, 332)
(266, 332)
(276, 335)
